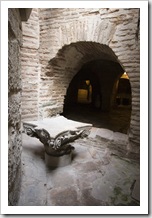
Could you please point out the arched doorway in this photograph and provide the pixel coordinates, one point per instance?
(96, 57)
(123, 92)
(90, 93)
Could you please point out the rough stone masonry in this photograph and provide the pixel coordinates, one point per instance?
(14, 102)
(58, 42)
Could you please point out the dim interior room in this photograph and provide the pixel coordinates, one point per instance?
(87, 65)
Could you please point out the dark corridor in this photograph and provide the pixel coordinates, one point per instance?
(100, 93)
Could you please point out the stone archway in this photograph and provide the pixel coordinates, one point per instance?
(65, 66)
(63, 39)
(68, 61)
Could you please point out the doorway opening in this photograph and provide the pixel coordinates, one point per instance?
(123, 97)
(100, 93)
(84, 92)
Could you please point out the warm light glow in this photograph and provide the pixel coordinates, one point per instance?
(124, 76)
(85, 95)
(82, 95)
(87, 82)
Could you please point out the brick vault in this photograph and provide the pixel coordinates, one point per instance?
(58, 42)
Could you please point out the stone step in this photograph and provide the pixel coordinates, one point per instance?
(106, 134)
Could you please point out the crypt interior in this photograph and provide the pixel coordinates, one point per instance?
(74, 107)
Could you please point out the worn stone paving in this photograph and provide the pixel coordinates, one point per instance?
(100, 174)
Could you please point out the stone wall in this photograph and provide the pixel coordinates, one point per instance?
(14, 105)
(30, 67)
(69, 38)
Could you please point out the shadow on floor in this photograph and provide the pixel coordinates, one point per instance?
(95, 177)
(117, 120)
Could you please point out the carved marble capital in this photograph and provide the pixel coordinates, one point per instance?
(55, 146)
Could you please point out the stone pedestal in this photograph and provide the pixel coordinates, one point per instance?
(61, 161)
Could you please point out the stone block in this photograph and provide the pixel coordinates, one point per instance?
(105, 134)
(63, 196)
(14, 112)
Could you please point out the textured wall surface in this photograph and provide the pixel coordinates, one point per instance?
(69, 38)
(30, 66)
(14, 105)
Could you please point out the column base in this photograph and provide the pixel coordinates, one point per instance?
(61, 161)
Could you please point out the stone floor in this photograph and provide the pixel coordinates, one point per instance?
(101, 173)
(117, 119)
